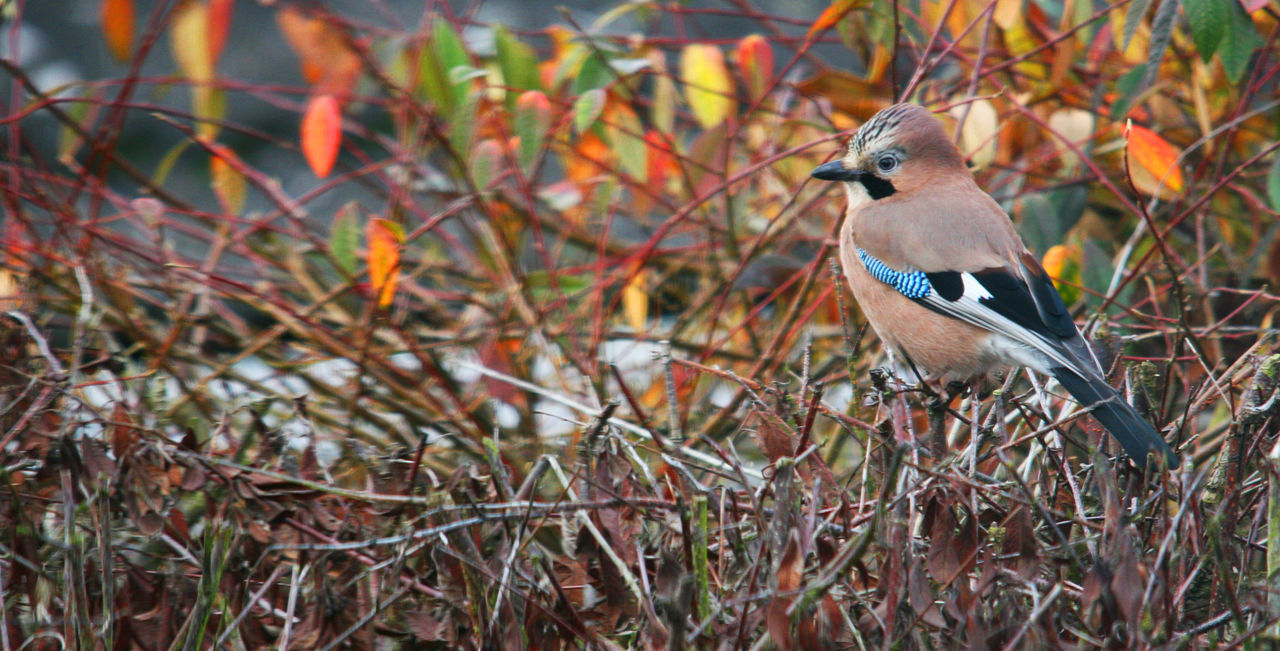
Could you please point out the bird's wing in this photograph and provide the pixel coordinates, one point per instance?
(1021, 304)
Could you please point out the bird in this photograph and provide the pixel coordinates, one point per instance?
(945, 280)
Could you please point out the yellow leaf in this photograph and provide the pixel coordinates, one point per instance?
(635, 301)
(707, 86)
(664, 92)
(189, 39)
(209, 105)
(978, 133)
(1020, 40)
(1073, 125)
(1153, 162)
(321, 133)
(10, 290)
(384, 238)
(117, 26)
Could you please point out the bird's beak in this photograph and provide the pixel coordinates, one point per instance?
(835, 171)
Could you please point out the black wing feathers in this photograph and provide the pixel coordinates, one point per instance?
(1053, 312)
(948, 284)
(1029, 300)
(1011, 298)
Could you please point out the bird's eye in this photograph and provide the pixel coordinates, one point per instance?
(887, 163)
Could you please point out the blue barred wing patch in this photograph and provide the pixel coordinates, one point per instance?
(912, 284)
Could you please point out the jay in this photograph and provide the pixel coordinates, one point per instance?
(945, 280)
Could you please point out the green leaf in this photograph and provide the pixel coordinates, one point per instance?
(448, 46)
(570, 64)
(1208, 20)
(532, 120)
(595, 73)
(69, 140)
(1069, 204)
(1038, 223)
(518, 62)
(1127, 90)
(1161, 34)
(344, 237)
(587, 108)
(462, 128)
(1273, 184)
(606, 195)
(625, 135)
(432, 85)
(1238, 45)
(435, 68)
(1096, 269)
(540, 287)
(167, 162)
(1133, 18)
(486, 160)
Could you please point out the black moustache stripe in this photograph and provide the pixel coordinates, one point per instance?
(877, 187)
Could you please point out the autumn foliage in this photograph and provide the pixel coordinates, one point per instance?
(457, 334)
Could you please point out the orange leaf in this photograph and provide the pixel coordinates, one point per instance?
(328, 62)
(660, 162)
(755, 57)
(830, 16)
(117, 26)
(635, 301)
(228, 183)
(708, 88)
(590, 158)
(321, 133)
(1153, 162)
(1057, 258)
(219, 26)
(384, 238)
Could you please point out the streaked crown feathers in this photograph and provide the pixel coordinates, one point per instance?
(908, 127)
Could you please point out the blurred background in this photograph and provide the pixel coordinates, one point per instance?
(519, 325)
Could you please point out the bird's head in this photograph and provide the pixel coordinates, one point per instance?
(901, 149)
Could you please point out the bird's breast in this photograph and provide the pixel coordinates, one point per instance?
(938, 345)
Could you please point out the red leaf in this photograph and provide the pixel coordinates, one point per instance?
(219, 26)
(321, 133)
(755, 57)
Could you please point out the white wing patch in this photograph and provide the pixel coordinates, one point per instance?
(968, 309)
(974, 289)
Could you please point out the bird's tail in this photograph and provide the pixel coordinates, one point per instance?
(1136, 435)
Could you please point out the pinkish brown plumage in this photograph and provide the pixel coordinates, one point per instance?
(946, 282)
